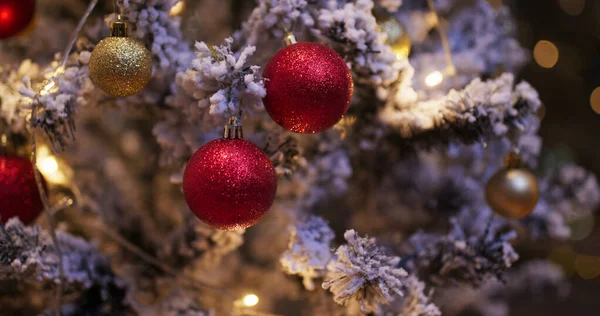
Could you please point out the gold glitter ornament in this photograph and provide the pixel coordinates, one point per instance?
(397, 37)
(120, 65)
(513, 192)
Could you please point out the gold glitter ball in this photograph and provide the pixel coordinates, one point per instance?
(120, 66)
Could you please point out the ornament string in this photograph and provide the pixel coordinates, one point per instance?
(451, 69)
(123, 7)
(38, 177)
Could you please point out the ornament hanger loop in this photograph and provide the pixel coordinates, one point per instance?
(290, 38)
(233, 129)
(119, 28)
(513, 159)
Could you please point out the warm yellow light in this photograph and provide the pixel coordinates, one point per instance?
(177, 9)
(48, 166)
(344, 125)
(434, 79)
(545, 54)
(250, 300)
(572, 7)
(49, 86)
(595, 100)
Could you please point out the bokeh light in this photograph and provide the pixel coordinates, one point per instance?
(48, 166)
(595, 100)
(177, 9)
(565, 257)
(545, 54)
(588, 267)
(572, 7)
(434, 79)
(541, 113)
(582, 228)
(250, 300)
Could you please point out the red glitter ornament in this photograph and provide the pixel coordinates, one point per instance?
(15, 16)
(309, 87)
(229, 184)
(19, 194)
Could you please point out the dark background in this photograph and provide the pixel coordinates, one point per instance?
(570, 127)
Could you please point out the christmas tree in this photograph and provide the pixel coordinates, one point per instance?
(273, 157)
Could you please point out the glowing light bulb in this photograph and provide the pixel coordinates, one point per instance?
(49, 168)
(250, 300)
(48, 87)
(434, 79)
(48, 165)
(177, 9)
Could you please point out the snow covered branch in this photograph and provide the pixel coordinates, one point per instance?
(362, 272)
(459, 257)
(309, 250)
(483, 110)
(27, 256)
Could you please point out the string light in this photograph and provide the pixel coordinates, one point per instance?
(49, 85)
(177, 9)
(250, 300)
(49, 167)
(242, 306)
(450, 68)
(434, 79)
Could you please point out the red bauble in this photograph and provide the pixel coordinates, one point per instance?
(229, 184)
(309, 87)
(19, 194)
(15, 16)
